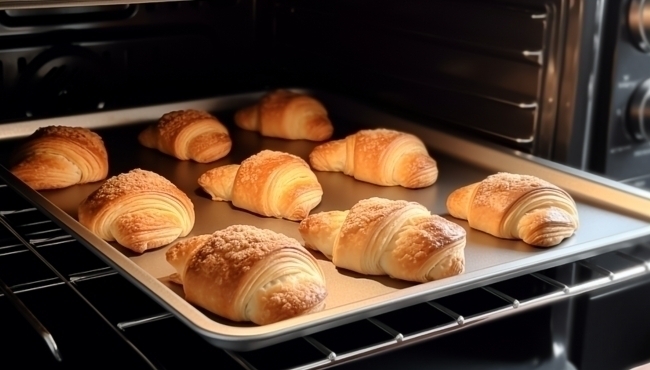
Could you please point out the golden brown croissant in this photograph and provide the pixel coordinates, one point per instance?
(394, 237)
(287, 115)
(188, 134)
(269, 183)
(517, 207)
(56, 157)
(248, 274)
(140, 210)
(380, 156)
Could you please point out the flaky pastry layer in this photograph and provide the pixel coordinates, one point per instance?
(140, 210)
(244, 273)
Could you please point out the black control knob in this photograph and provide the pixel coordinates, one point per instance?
(639, 23)
(638, 113)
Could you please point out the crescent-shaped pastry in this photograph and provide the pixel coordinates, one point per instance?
(288, 115)
(269, 183)
(140, 210)
(381, 157)
(188, 134)
(244, 273)
(514, 206)
(56, 157)
(388, 237)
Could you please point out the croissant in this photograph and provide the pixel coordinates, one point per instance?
(269, 183)
(248, 274)
(379, 236)
(517, 207)
(188, 134)
(380, 156)
(56, 157)
(287, 115)
(140, 210)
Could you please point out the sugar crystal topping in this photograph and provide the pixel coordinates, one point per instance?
(369, 211)
(136, 180)
(235, 249)
(499, 189)
(83, 136)
(172, 122)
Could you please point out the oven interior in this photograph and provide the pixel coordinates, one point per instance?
(431, 59)
(481, 69)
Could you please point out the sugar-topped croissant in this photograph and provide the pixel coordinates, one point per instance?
(388, 237)
(140, 210)
(188, 134)
(56, 157)
(287, 115)
(514, 206)
(269, 183)
(244, 273)
(380, 156)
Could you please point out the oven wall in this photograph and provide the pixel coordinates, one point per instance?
(70, 60)
(489, 69)
(493, 69)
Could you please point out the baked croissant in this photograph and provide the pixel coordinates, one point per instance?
(517, 207)
(287, 115)
(388, 237)
(140, 210)
(188, 134)
(56, 157)
(248, 274)
(380, 156)
(269, 183)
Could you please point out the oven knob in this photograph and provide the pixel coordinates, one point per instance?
(638, 113)
(639, 23)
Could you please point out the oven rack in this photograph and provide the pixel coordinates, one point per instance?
(25, 231)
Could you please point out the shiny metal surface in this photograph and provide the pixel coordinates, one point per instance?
(612, 215)
(32, 320)
(31, 4)
(579, 78)
(637, 121)
(638, 20)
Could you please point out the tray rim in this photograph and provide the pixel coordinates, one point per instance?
(620, 197)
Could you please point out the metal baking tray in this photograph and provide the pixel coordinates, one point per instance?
(612, 215)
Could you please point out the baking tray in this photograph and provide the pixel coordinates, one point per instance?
(611, 214)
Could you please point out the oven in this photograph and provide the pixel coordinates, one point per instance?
(548, 87)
